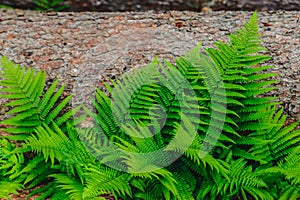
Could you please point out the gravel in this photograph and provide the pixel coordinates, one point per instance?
(85, 49)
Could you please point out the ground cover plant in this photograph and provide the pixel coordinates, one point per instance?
(202, 128)
(44, 5)
(50, 5)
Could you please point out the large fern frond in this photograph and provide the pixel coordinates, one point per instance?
(276, 143)
(72, 187)
(245, 81)
(103, 180)
(242, 55)
(24, 88)
(289, 170)
(242, 182)
(7, 188)
(57, 146)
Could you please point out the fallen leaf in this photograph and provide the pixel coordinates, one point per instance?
(10, 36)
(267, 24)
(179, 24)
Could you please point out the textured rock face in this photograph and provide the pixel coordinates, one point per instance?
(163, 5)
(85, 49)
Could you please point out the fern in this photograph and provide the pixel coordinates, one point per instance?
(30, 109)
(50, 5)
(241, 182)
(8, 187)
(241, 58)
(25, 89)
(288, 170)
(102, 180)
(275, 144)
(73, 189)
(201, 128)
(10, 164)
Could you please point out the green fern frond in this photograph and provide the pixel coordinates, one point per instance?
(38, 174)
(243, 181)
(204, 115)
(73, 189)
(290, 192)
(103, 180)
(7, 188)
(184, 190)
(44, 192)
(55, 145)
(284, 139)
(25, 88)
(240, 58)
(288, 168)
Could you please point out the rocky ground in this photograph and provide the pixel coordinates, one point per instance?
(85, 49)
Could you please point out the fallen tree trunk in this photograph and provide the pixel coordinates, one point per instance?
(76, 47)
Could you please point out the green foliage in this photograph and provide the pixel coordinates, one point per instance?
(201, 128)
(10, 164)
(50, 5)
(5, 6)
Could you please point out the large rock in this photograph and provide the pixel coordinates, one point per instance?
(85, 49)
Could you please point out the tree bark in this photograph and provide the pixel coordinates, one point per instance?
(91, 46)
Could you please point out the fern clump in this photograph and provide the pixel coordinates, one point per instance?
(201, 128)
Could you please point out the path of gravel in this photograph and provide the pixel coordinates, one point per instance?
(76, 47)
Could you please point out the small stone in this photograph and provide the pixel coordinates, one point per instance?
(74, 72)
(206, 9)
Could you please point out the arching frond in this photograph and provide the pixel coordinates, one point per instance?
(24, 88)
(104, 180)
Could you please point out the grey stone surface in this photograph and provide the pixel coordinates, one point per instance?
(88, 48)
